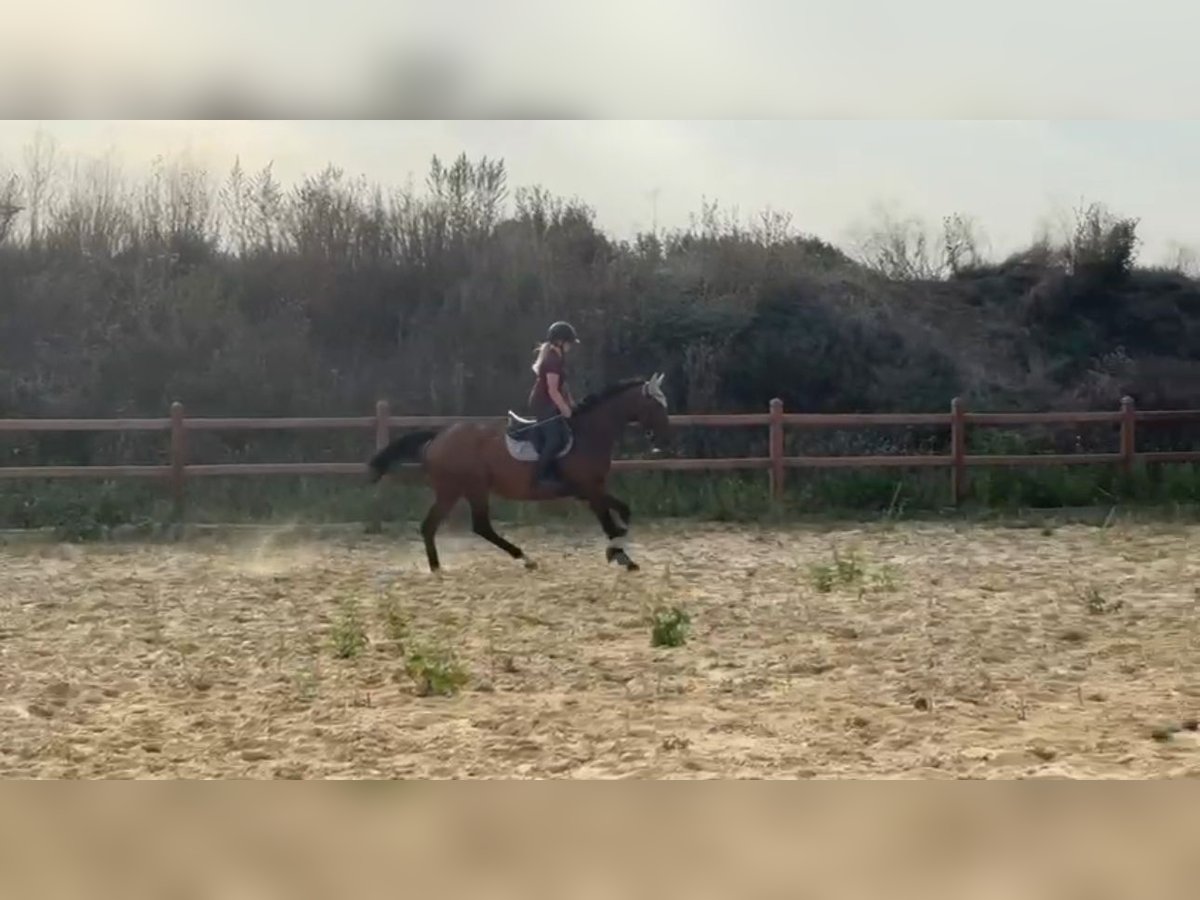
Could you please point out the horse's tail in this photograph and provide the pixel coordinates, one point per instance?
(406, 448)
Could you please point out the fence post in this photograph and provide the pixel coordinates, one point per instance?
(958, 451)
(776, 449)
(382, 436)
(178, 461)
(382, 426)
(1128, 439)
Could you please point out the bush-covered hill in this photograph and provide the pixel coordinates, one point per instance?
(240, 295)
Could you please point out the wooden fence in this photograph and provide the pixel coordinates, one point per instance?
(178, 469)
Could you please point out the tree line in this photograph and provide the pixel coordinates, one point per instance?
(240, 295)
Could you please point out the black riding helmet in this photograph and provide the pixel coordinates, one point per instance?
(562, 331)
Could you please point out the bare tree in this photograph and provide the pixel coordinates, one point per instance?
(41, 175)
(962, 243)
(1102, 242)
(472, 195)
(1090, 238)
(773, 227)
(235, 208)
(267, 199)
(95, 216)
(10, 206)
(898, 247)
(905, 248)
(1184, 259)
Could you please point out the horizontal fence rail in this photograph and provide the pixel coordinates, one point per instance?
(179, 469)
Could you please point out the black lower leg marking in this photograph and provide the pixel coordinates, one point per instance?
(429, 528)
(621, 512)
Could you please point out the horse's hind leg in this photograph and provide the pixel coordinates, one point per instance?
(481, 521)
(440, 509)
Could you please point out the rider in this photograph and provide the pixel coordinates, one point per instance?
(550, 399)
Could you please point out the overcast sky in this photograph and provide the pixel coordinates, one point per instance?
(829, 175)
(858, 102)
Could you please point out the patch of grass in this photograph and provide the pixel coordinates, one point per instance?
(435, 672)
(842, 571)
(847, 570)
(884, 579)
(307, 681)
(669, 627)
(1096, 603)
(394, 621)
(349, 634)
(823, 577)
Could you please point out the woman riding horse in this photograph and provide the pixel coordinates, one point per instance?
(550, 400)
(472, 461)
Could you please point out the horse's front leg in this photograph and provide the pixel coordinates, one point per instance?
(622, 515)
(616, 531)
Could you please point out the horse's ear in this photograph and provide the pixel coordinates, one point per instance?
(653, 388)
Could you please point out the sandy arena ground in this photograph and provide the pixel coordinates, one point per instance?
(950, 651)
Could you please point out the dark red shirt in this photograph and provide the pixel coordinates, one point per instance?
(540, 403)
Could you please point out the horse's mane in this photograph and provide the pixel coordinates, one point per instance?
(591, 401)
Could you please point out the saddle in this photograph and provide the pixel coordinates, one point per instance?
(525, 438)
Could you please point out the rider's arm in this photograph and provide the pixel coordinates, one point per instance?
(553, 381)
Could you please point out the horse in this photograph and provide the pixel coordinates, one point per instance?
(474, 461)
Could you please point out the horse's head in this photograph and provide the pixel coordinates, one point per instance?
(650, 411)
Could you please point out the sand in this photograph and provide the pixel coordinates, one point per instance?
(946, 651)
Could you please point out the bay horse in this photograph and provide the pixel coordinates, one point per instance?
(474, 461)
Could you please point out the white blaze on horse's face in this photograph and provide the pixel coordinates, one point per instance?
(654, 389)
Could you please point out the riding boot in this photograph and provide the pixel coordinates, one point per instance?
(544, 475)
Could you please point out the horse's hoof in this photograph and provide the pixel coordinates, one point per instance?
(616, 556)
(530, 565)
(620, 556)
